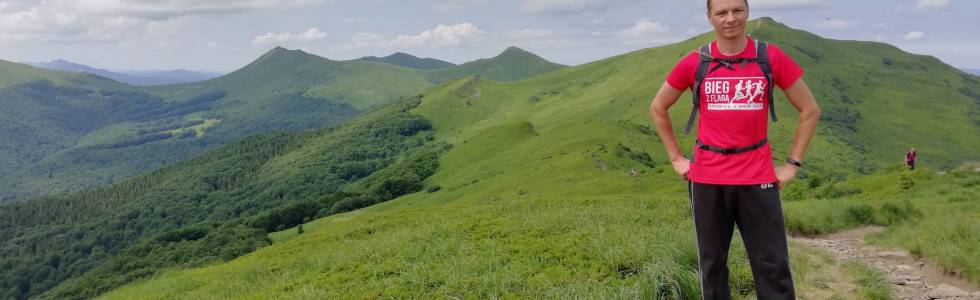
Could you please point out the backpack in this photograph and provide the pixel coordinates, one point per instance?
(762, 59)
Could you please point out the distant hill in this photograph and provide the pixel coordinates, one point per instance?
(511, 64)
(410, 61)
(47, 150)
(975, 72)
(150, 77)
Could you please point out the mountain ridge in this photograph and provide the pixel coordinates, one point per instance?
(144, 77)
(282, 89)
(411, 61)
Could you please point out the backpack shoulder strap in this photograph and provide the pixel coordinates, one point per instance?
(762, 58)
(704, 52)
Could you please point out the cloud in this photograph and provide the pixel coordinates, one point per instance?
(166, 9)
(440, 36)
(645, 32)
(569, 6)
(785, 4)
(837, 24)
(644, 28)
(309, 35)
(103, 21)
(931, 4)
(531, 6)
(915, 35)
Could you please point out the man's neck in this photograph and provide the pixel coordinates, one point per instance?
(732, 46)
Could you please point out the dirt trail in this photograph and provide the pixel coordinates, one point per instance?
(911, 278)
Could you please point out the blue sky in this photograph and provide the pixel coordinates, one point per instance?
(222, 35)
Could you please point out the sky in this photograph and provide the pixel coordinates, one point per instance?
(223, 35)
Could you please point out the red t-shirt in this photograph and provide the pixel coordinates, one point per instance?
(734, 113)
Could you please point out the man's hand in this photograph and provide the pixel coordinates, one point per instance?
(784, 174)
(681, 166)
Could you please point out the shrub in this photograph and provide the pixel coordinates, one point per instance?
(860, 214)
(891, 213)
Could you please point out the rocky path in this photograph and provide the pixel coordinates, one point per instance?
(911, 278)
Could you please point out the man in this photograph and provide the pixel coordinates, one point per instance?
(910, 159)
(732, 180)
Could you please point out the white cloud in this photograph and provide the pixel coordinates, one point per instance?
(931, 4)
(440, 36)
(645, 32)
(166, 9)
(645, 28)
(915, 35)
(100, 21)
(535, 6)
(785, 4)
(212, 45)
(309, 35)
(837, 24)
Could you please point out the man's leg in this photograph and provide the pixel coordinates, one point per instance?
(759, 216)
(713, 224)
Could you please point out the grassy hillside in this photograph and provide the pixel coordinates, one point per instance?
(215, 207)
(557, 187)
(45, 152)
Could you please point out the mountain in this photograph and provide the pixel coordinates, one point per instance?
(556, 186)
(154, 77)
(282, 90)
(410, 61)
(510, 65)
(975, 72)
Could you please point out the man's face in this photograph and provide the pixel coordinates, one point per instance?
(728, 17)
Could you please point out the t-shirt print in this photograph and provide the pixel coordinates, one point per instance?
(735, 93)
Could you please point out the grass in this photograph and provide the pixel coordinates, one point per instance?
(872, 285)
(550, 248)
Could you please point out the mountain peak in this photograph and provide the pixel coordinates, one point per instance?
(513, 50)
(282, 54)
(401, 54)
(411, 61)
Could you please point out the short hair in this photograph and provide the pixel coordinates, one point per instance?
(709, 4)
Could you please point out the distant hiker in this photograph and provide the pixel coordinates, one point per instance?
(910, 159)
(732, 180)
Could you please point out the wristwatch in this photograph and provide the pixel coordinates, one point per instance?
(794, 162)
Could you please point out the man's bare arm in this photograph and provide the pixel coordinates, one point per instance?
(800, 96)
(802, 99)
(666, 98)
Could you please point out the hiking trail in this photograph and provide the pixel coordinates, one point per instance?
(910, 277)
